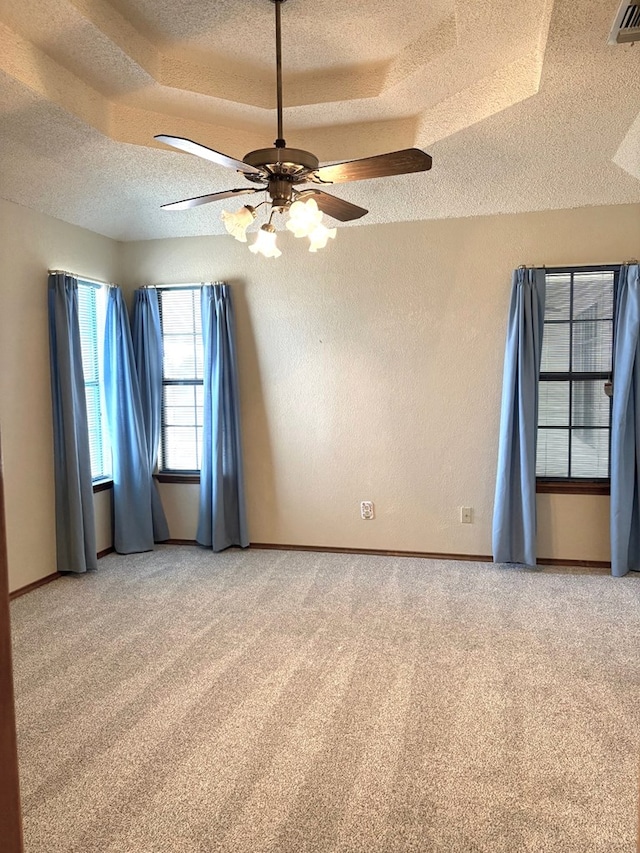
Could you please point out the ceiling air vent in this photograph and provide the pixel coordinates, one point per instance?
(626, 27)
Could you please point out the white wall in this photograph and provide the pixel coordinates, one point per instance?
(574, 526)
(30, 245)
(372, 371)
(180, 504)
(102, 507)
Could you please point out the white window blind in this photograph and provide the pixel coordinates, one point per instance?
(91, 317)
(182, 391)
(574, 413)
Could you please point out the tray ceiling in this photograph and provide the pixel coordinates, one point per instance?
(522, 104)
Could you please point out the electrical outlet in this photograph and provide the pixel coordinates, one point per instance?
(466, 514)
(366, 510)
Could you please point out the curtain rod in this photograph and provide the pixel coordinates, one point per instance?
(98, 282)
(177, 286)
(173, 286)
(579, 266)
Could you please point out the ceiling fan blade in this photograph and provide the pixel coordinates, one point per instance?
(395, 163)
(208, 153)
(337, 208)
(187, 203)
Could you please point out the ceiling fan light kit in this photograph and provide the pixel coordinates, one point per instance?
(279, 171)
(265, 244)
(238, 222)
(304, 217)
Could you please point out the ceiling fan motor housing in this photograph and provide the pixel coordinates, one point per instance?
(280, 170)
(290, 162)
(281, 193)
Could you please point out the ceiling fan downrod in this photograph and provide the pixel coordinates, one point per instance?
(281, 171)
(280, 142)
(283, 164)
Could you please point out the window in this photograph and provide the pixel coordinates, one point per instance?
(92, 306)
(182, 391)
(574, 414)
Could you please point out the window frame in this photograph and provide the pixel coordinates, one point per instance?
(164, 474)
(104, 479)
(580, 485)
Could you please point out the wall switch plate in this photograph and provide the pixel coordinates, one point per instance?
(366, 510)
(466, 515)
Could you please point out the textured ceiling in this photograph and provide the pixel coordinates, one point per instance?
(522, 104)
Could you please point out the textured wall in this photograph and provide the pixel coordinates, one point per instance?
(30, 245)
(102, 506)
(372, 371)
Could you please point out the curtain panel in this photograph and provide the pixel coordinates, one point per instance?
(75, 524)
(625, 427)
(514, 517)
(147, 349)
(222, 516)
(132, 485)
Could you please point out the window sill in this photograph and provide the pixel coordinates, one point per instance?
(177, 478)
(572, 487)
(102, 486)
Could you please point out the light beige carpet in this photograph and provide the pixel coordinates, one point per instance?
(281, 702)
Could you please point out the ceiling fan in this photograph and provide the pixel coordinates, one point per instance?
(280, 171)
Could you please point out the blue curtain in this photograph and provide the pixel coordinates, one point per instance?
(75, 525)
(147, 348)
(132, 521)
(514, 515)
(625, 428)
(222, 518)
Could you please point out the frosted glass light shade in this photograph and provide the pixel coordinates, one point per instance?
(319, 237)
(266, 243)
(304, 217)
(238, 222)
